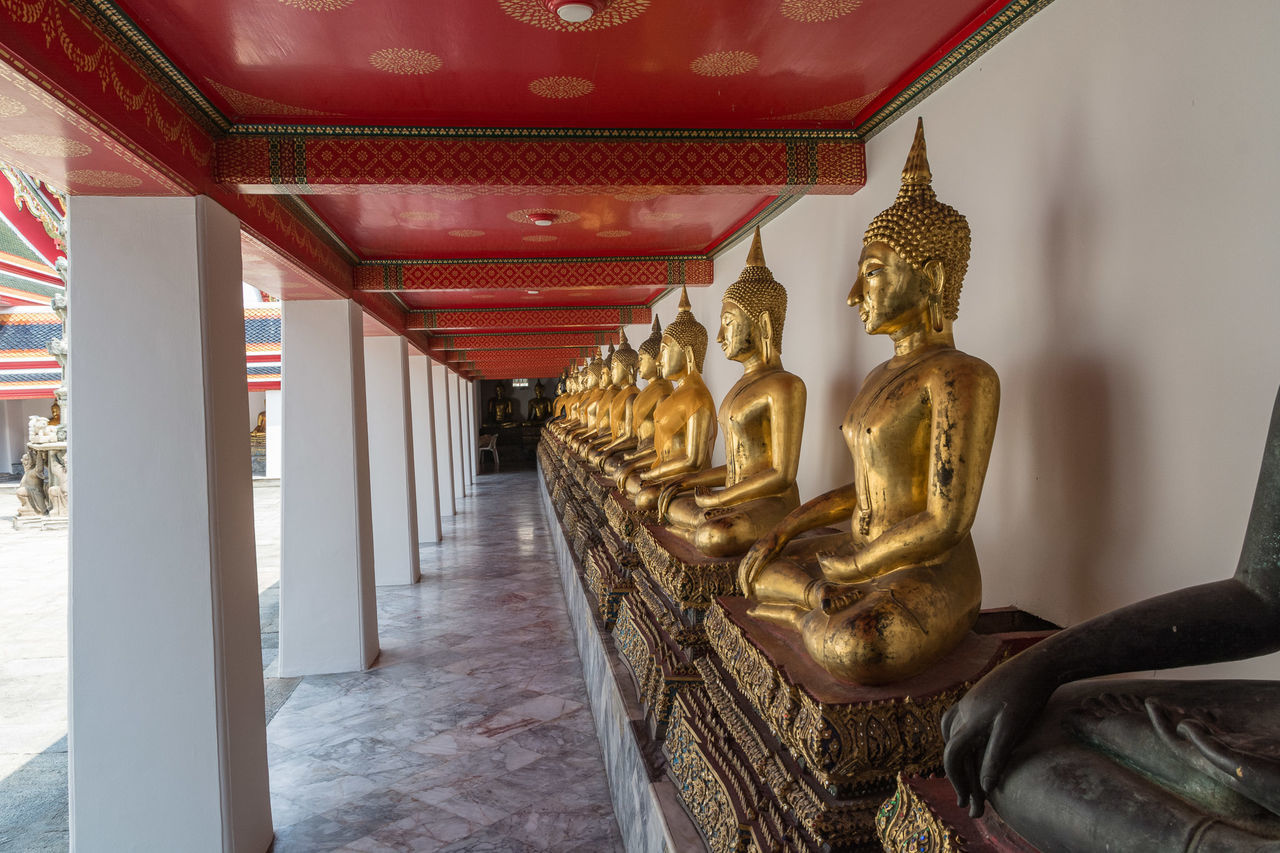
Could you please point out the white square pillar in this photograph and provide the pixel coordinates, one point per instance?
(421, 395)
(391, 480)
(473, 434)
(328, 608)
(275, 412)
(166, 722)
(458, 421)
(444, 438)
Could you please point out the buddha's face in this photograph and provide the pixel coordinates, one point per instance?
(889, 293)
(619, 373)
(500, 391)
(671, 362)
(735, 336)
(648, 366)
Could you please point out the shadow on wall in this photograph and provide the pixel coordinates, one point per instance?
(1070, 406)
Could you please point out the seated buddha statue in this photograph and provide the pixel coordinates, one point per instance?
(597, 381)
(499, 409)
(567, 417)
(540, 405)
(901, 588)
(597, 413)
(623, 367)
(762, 417)
(1139, 764)
(684, 424)
(636, 438)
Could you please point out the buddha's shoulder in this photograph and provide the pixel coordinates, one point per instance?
(956, 364)
(777, 380)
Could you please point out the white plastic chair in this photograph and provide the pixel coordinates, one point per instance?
(489, 443)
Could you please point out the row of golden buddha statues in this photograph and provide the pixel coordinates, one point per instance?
(877, 582)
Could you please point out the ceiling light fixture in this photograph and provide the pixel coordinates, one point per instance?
(576, 11)
(542, 218)
(532, 292)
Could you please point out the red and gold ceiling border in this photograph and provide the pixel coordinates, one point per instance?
(949, 60)
(522, 341)
(533, 273)
(528, 318)
(527, 161)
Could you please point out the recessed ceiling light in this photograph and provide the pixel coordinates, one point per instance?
(542, 218)
(532, 292)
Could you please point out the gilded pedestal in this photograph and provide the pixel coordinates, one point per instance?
(922, 814)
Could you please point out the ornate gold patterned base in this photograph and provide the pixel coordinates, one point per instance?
(922, 815)
(689, 578)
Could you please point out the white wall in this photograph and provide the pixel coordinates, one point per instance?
(1116, 162)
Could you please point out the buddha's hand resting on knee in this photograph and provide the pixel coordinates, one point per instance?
(765, 551)
(982, 729)
(668, 494)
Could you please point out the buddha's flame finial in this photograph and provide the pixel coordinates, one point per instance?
(657, 326)
(623, 331)
(916, 171)
(685, 304)
(755, 257)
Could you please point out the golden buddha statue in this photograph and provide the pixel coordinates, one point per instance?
(597, 413)
(596, 380)
(540, 405)
(684, 424)
(623, 367)
(901, 589)
(636, 438)
(763, 419)
(500, 409)
(576, 385)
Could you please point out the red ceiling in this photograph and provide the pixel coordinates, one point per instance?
(483, 63)
(381, 70)
(429, 226)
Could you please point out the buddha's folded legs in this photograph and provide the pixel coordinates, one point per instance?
(731, 530)
(876, 631)
(1094, 774)
(644, 497)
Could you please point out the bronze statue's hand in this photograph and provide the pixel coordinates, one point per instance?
(706, 497)
(666, 495)
(840, 568)
(982, 729)
(765, 551)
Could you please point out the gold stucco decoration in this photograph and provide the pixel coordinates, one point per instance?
(245, 104)
(103, 178)
(535, 13)
(318, 5)
(539, 238)
(404, 60)
(45, 145)
(843, 111)
(812, 11)
(521, 216)
(562, 87)
(616, 232)
(726, 63)
(9, 107)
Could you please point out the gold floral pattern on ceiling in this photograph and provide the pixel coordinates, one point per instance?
(539, 238)
(318, 5)
(843, 111)
(405, 60)
(10, 107)
(725, 63)
(562, 216)
(535, 13)
(812, 11)
(617, 232)
(562, 87)
(245, 104)
(660, 215)
(45, 145)
(418, 218)
(448, 195)
(466, 232)
(104, 178)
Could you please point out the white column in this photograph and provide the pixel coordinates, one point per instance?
(167, 736)
(472, 432)
(458, 422)
(274, 435)
(444, 438)
(391, 480)
(328, 609)
(424, 446)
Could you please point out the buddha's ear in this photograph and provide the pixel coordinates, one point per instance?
(937, 275)
(690, 362)
(765, 324)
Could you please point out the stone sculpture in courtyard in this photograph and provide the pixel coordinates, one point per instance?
(901, 588)
(32, 502)
(684, 424)
(637, 437)
(762, 417)
(1154, 764)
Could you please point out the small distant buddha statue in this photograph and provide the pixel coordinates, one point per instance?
(684, 424)
(500, 409)
(624, 364)
(564, 402)
(636, 437)
(902, 588)
(1137, 765)
(584, 409)
(762, 417)
(598, 409)
(539, 406)
(55, 414)
(260, 429)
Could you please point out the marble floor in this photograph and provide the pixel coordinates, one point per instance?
(471, 732)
